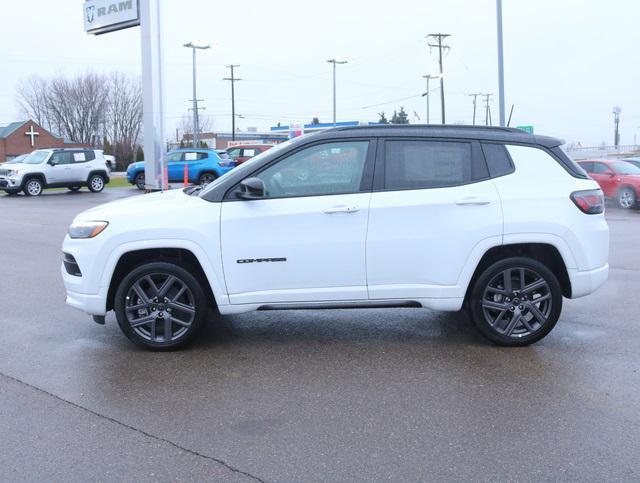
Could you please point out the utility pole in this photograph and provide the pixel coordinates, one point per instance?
(500, 63)
(440, 38)
(487, 109)
(616, 121)
(428, 94)
(196, 128)
(334, 62)
(475, 97)
(233, 80)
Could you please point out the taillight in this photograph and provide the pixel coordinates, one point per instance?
(590, 202)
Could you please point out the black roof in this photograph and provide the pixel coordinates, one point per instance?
(487, 133)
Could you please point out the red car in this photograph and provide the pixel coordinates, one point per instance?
(243, 152)
(618, 179)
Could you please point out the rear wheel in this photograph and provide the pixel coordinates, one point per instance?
(516, 301)
(206, 178)
(96, 183)
(627, 198)
(160, 306)
(33, 187)
(139, 181)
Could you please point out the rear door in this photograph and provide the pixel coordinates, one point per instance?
(433, 204)
(81, 165)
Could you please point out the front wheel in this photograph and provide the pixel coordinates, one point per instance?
(160, 306)
(516, 301)
(96, 183)
(33, 187)
(627, 198)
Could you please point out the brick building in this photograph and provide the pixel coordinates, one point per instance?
(22, 137)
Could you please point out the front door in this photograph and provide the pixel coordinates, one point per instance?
(175, 166)
(305, 240)
(606, 178)
(61, 167)
(432, 205)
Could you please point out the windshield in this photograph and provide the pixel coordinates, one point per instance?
(620, 167)
(247, 166)
(36, 157)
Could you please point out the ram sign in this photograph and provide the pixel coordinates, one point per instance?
(102, 16)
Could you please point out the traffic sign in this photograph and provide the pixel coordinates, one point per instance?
(527, 129)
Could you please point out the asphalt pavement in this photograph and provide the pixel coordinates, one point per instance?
(343, 395)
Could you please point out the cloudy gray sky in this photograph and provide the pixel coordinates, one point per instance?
(567, 62)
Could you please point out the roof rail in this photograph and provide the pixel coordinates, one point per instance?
(432, 126)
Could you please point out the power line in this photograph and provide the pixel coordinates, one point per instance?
(233, 81)
(440, 38)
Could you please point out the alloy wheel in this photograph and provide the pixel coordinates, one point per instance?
(97, 183)
(517, 302)
(206, 178)
(160, 307)
(34, 187)
(626, 199)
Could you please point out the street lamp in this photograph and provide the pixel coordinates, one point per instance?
(616, 121)
(196, 128)
(429, 77)
(334, 62)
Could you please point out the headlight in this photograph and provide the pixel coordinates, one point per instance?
(13, 172)
(226, 164)
(87, 229)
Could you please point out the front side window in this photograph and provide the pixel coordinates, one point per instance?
(325, 169)
(62, 157)
(622, 167)
(427, 164)
(174, 157)
(234, 153)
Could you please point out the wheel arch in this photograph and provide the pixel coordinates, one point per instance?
(101, 172)
(183, 257)
(545, 253)
(29, 176)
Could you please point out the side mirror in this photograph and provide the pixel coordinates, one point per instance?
(611, 174)
(251, 189)
(51, 162)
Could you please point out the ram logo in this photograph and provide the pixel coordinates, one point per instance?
(91, 13)
(261, 260)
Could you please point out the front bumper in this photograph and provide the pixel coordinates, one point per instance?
(10, 183)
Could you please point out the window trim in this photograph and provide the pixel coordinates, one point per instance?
(379, 175)
(365, 182)
(511, 163)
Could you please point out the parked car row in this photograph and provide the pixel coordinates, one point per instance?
(618, 178)
(202, 165)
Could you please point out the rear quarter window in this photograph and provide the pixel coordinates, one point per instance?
(498, 159)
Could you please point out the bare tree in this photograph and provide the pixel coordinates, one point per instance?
(185, 126)
(124, 115)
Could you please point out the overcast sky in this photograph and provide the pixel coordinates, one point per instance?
(567, 62)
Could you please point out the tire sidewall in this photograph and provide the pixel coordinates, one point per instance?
(205, 175)
(139, 177)
(475, 302)
(90, 183)
(202, 305)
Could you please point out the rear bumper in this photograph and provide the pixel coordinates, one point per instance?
(587, 281)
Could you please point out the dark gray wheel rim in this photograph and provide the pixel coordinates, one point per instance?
(97, 183)
(140, 181)
(626, 199)
(160, 307)
(517, 302)
(206, 179)
(34, 187)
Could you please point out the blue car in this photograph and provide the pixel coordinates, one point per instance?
(204, 166)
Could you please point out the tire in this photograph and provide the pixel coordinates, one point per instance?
(96, 183)
(74, 188)
(139, 181)
(512, 317)
(33, 187)
(206, 178)
(12, 192)
(627, 198)
(187, 311)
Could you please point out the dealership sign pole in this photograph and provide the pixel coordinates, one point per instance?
(103, 16)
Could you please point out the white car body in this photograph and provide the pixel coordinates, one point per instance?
(13, 176)
(374, 248)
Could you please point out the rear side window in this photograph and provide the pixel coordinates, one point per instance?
(498, 159)
(89, 155)
(587, 166)
(429, 164)
(600, 168)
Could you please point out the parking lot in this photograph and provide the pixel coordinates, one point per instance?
(400, 394)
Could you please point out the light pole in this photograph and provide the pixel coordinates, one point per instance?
(196, 128)
(334, 62)
(429, 77)
(616, 121)
(500, 64)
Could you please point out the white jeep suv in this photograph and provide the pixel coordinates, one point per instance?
(492, 220)
(55, 168)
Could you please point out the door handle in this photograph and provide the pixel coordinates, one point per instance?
(472, 201)
(342, 209)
